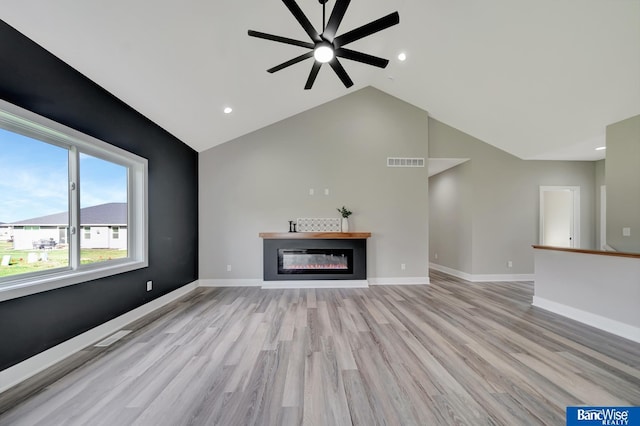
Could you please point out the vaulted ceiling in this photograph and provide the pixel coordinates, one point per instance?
(539, 79)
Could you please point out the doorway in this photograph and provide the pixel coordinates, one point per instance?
(560, 216)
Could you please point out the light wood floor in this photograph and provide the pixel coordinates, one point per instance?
(450, 353)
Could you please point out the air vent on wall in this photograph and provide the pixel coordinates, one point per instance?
(405, 162)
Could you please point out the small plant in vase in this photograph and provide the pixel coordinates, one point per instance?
(345, 213)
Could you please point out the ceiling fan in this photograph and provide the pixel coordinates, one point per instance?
(326, 47)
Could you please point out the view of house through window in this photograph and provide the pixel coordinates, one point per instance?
(103, 207)
(35, 181)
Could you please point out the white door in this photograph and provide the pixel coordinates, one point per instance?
(560, 216)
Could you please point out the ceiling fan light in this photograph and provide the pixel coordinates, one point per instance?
(323, 53)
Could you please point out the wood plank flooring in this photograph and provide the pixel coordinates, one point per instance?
(451, 353)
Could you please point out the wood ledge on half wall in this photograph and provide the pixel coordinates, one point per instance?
(310, 235)
(585, 251)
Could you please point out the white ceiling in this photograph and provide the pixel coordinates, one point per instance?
(439, 165)
(540, 79)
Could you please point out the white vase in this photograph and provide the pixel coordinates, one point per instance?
(345, 224)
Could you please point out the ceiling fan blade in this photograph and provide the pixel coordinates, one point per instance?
(302, 19)
(291, 62)
(340, 71)
(312, 75)
(362, 57)
(279, 39)
(336, 18)
(367, 29)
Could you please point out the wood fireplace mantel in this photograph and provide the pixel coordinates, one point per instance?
(310, 235)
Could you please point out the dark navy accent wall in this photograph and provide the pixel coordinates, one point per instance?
(34, 79)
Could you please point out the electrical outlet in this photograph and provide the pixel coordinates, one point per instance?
(311, 191)
(326, 191)
(403, 266)
(435, 255)
(228, 268)
(149, 285)
(510, 264)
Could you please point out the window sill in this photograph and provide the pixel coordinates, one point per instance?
(34, 285)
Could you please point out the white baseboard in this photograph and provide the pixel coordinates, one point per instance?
(603, 323)
(315, 284)
(37, 363)
(483, 278)
(257, 282)
(239, 282)
(478, 278)
(400, 281)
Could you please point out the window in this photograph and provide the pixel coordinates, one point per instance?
(103, 196)
(75, 206)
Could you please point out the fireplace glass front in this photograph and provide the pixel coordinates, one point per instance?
(315, 261)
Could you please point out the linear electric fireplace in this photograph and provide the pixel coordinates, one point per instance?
(315, 261)
(298, 258)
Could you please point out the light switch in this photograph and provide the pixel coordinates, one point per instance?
(626, 232)
(311, 191)
(326, 191)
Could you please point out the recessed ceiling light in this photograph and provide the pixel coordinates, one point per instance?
(402, 57)
(228, 110)
(601, 148)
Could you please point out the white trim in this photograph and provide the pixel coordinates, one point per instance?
(51, 281)
(400, 281)
(483, 278)
(240, 282)
(479, 278)
(315, 284)
(611, 326)
(257, 282)
(37, 363)
(450, 271)
(112, 339)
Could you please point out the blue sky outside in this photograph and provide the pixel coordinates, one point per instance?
(34, 179)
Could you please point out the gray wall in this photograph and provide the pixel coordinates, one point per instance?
(450, 217)
(622, 177)
(603, 289)
(258, 182)
(503, 203)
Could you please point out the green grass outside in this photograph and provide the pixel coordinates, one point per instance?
(56, 258)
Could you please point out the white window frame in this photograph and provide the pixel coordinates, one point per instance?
(19, 120)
